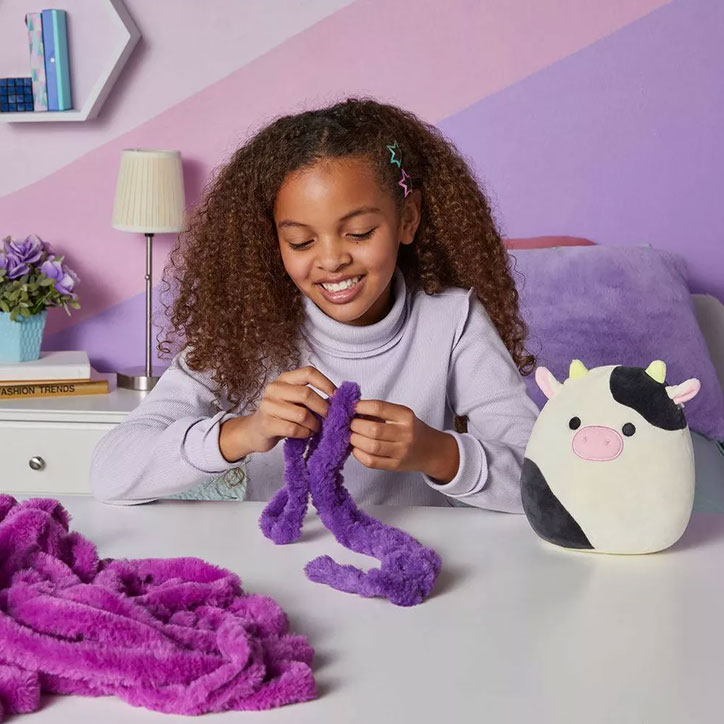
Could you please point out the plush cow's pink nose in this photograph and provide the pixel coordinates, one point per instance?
(597, 443)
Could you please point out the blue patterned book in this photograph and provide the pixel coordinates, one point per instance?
(37, 61)
(57, 67)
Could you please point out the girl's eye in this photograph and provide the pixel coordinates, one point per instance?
(357, 237)
(366, 235)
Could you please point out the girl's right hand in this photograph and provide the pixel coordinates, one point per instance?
(284, 411)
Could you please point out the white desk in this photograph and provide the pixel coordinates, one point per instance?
(516, 630)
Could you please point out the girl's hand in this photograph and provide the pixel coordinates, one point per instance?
(284, 411)
(395, 439)
(285, 408)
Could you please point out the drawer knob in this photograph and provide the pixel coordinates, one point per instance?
(36, 462)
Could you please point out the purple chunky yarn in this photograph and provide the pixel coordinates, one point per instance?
(176, 635)
(408, 571)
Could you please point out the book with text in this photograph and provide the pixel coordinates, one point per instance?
(96, 385)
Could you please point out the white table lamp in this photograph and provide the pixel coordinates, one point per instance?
(149, 200)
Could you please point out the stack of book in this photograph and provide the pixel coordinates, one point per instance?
(48, 86)
(55, 374)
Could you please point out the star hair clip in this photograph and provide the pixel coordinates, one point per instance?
(396, 158)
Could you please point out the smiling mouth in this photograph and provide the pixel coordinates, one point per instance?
(342, 286)
(344, 292)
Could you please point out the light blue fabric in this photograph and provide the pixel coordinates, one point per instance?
(229, 486)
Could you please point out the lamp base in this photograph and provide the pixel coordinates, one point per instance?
(135, 378)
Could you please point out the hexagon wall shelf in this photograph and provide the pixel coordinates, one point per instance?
(127, 36)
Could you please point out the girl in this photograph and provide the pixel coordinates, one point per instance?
(347, 243)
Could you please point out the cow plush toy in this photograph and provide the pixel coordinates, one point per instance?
(609, 466)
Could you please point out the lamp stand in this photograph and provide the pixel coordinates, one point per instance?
(140, 378)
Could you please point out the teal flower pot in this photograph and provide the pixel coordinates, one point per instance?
(20, 340)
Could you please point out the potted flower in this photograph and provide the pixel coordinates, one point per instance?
(33, 278)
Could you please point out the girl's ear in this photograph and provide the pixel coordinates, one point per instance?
(411, 215)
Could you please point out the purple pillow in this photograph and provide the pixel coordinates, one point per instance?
(617, 305)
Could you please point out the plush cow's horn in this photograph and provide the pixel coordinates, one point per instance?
(576, 370)
(657, 370)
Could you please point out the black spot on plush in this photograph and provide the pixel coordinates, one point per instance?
(635, 388)
(548, 518)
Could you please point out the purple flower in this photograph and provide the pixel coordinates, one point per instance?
(16, 268)
(3, 260)
(26, 252)
(65, 279)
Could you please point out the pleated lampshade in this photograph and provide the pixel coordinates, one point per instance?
(149, 192)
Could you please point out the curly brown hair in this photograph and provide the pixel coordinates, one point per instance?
(233, 304)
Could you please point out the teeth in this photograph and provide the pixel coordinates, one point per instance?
(346, 284)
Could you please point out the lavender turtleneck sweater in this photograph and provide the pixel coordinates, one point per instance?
(439, 355)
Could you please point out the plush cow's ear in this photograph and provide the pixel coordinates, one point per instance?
(577, 370)
(548, 384)
(685, 391)
(657, 371)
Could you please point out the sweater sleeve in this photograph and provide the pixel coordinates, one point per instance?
(485, 386)
(168, 444)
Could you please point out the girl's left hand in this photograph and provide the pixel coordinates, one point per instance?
(396, 440)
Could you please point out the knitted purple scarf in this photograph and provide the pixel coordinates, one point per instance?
(314, 465)
(175, 635)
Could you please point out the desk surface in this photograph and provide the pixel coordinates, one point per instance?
(516, 630)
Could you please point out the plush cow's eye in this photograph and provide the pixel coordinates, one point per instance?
(574, 423)
(628, 429)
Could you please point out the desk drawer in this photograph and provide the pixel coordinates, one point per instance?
(60, 452)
